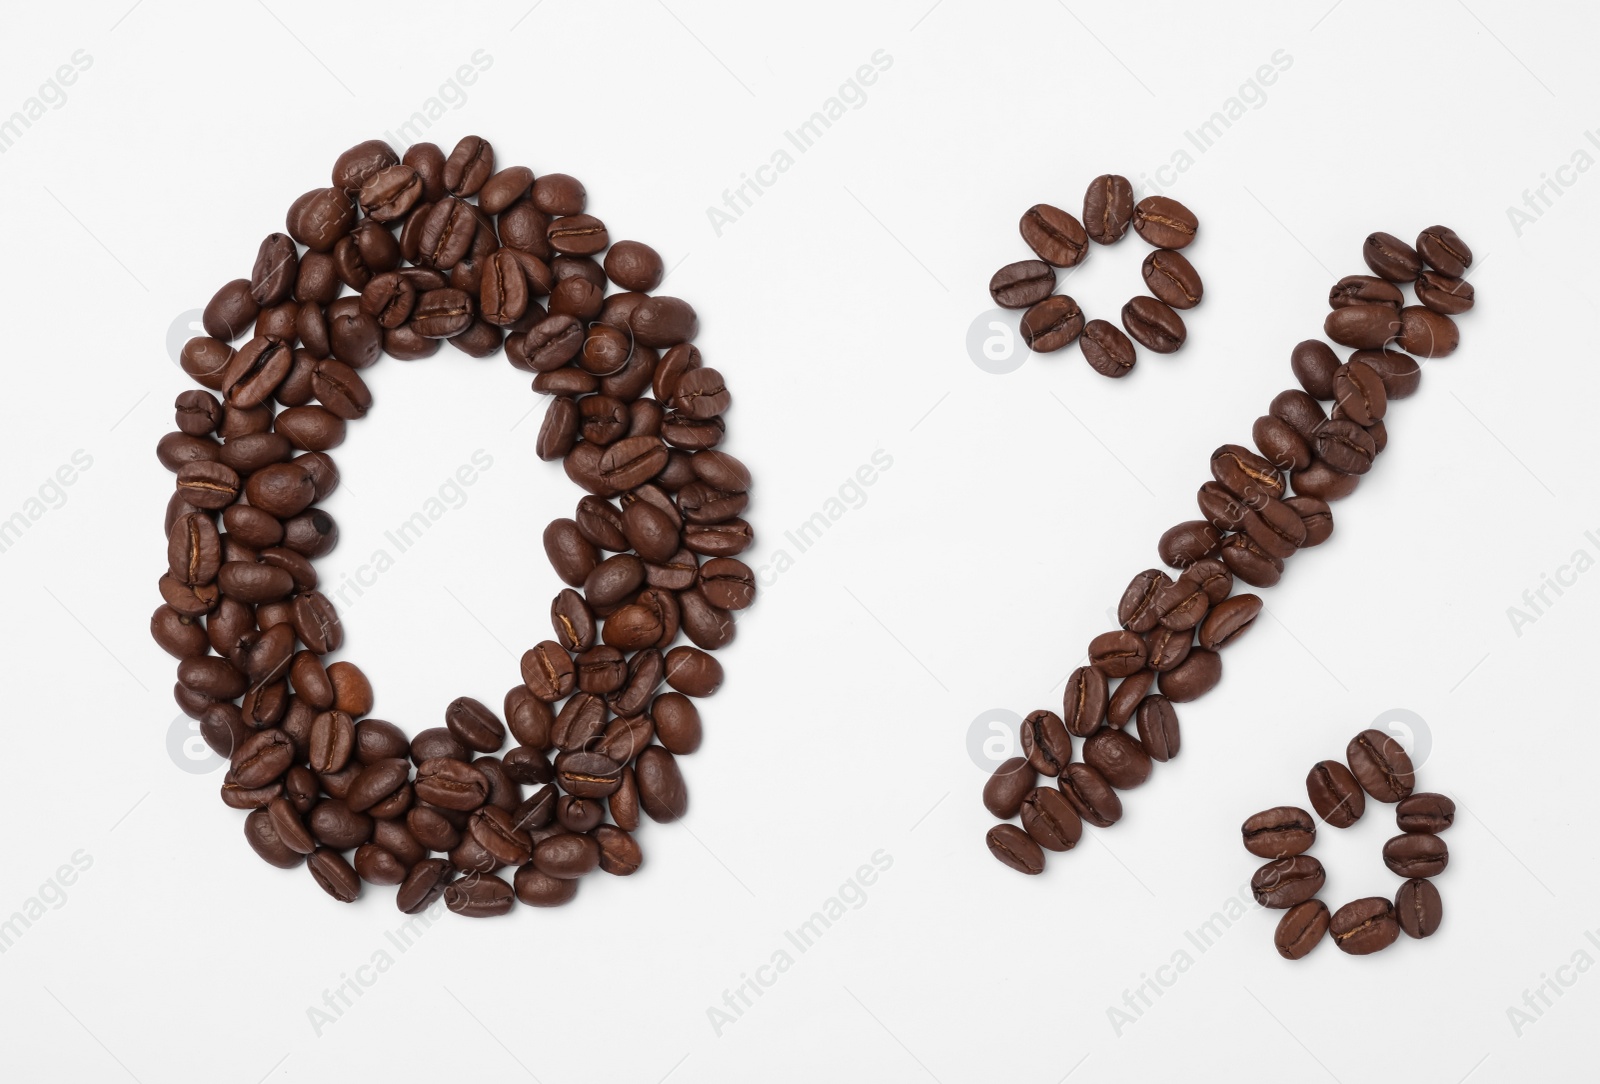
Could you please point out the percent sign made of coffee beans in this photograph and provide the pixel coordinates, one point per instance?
(1260, 508)
(396, 256)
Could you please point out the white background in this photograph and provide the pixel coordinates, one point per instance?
(968, 579)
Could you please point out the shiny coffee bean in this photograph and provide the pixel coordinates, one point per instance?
(1108, 208)
(1280, 832)
(1154, 325)
(1021, 284)
(1172, 279)
(1431, 813)
(1335, 794)
(1014, 848)
(1118, 756)
(1418, 908)
(1090, 795)
(1301, 929)
(1051, 324)
(1055, 235)
(1010, 783)
(1107, 350)
(1416, 854)
(1164, 222)
(1391, 258)
(1284, 882)
(1364, 926)
(1050, 820)
(1381, 765)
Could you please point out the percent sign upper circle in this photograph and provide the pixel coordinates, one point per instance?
(1060, 240)
(398, 255)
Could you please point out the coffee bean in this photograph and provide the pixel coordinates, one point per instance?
(1364, 926)
(1428, 333)
(1013, 847)
(1391, 258)
(1191, 679)
(1418, 908)
(1045, 742)
(1164, 222)
(1108, 208)
(335, 876)
(1118, 756)
(1285, 882)
(1380, 763)
(1049, 819)
(1335, 794)
(1154, 325)
(1184, 544)
(1008, 786)
(1021, 284)
(1229, 620)
(1364, 290)
(1106, 349)
(1358, 392)
(1055, 235)
(1137, 611)
(1051, 324)
(1280, 832)
(1343, 446)
(1248, 476)
(1158, 728)
(1117, 654)
(1425, 812)
(1172, 279)
(693, 672)
(261, 832)
(1166, 649)
(474, 725)
(1084, 701)
(1366, 327)
(1400, 373)
(1090, 795)
(1301, 929)
(1416, 854)
(1444, 251)
(1316, 516)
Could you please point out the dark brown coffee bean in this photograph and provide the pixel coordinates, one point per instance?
(1050, 820)
(581, 720)
(1381, 765)
(1366, 327)
(1166, 649)
(208, 485)
(1118, 756)
(1416, 854)
(1364, 290)
(479, 895)
(573, 621)
(451, 784)
(424, 884)
(1125, 699)
(1443, 294)
(1013, 847)
(1344, 446)
(1051, 324)
(1358, 392)
(1427, 333)
(1444, 251)
(1154, 325)
(1138, 610)
(677, 723)
(1287, 881)
(1191, 679)
(1314, 364)
(1108, 208)
(1364, 926)
(620, 855)
(1055, 235)
(1019, 285)
(1418, 908)
(1008, 786)
(1045, 742)
(231, 311)
(261, 831)
(320, 217)
(548, 672)
(1229, 620)
(1391, 258)
(1084, 701)
(1172, 278)
(334, 875)
(475, 725)
(587, 774)
(662, 794)
(1335, 794)
(1164, 222)
(1280, 832)
(1301, 929)
(661, 322)
(1158, 728)
(692, 671)
(1107, 350)
(1426, 812)
(1090, 796)
(1184, 544)
(1279, 444)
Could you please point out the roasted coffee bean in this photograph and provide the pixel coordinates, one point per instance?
(474, 725)
(1316, 516)
(1287, 881)
(1248, 476)
(1172, 279)
(451, 784)
(1013, 847)
(1138, 610)
(1166, 649)
(320, 217)
(1107, 350)
(1418, 908)
(1117, 654)
(1191, 679)
(1364, 290)
(470, 164)
(1381, 765)
(1090, 796)
(208, 485)
(573, 621)
(340, 389)
(538, 889)
(1158, 728)
(620, 855)
(1426, 812)
(548, 672)
(335, 876)
(1358, 392)
(1391, 258)
(1182, 604)
(262, 759)
(377, 866)
(1416, 854)
(1184, 544)
(1019, 285)
(1344, 446)
(1365, 327)
(1427, 333)
(479, 895)
(1124, 701)
(662, 794)
(231, 311)
(1084, 701)
(633, 266)
(1444, 251)
(1051, 324)
(336, 825)
(1443, 294)
(587, 774)
(1248, 560)
(1229, 620)
(261, 831)
(1335, 794)
(1008, 786)
(661, 322)
(692, 671)
(1164, 222)
(1118, 756)
(1280, 445)
(1045, 742)
(1050, 820)
(1364, 926)
(1301, 929)
(1154, 325)
(1280, 832)
(1108, 208)
(1055, 235)
(677, 723)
